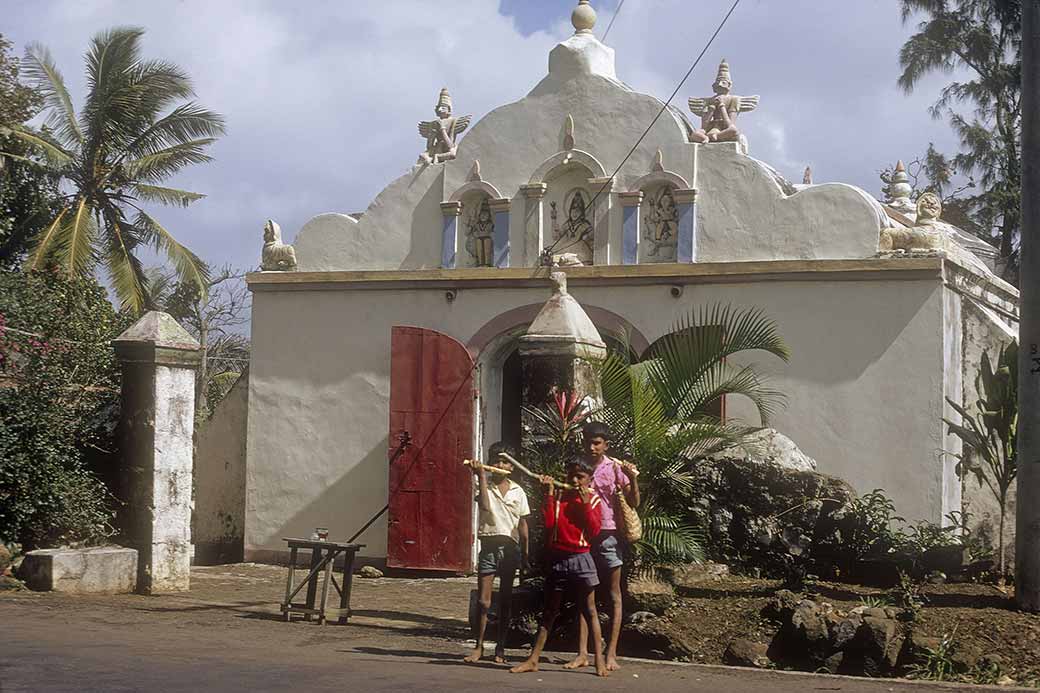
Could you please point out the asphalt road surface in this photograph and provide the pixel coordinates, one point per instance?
(52, 653)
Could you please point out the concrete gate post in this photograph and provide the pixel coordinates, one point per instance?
(157, 416)
(561, 350)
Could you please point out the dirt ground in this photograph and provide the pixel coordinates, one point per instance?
(426, 619)
(981, 618)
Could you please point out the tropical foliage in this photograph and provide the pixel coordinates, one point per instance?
(983, 39)
(59, 398)
(990, 436)
(113, 158)
(665, 415)
(29, 196)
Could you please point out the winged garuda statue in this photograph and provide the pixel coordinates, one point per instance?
(442, 134)
(719, 112)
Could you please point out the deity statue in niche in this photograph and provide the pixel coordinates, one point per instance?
(575, 233)
(661, 224)
(480, 233)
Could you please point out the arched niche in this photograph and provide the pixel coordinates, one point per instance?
(475, 186)
(659, 223)
(476, 229)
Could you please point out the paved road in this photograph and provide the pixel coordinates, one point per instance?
(55, 652)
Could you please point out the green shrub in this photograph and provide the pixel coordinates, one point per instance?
(59, 397)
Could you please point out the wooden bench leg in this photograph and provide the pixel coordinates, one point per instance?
(348, 584)
(329, 559)
(312, 584)
(289, 582)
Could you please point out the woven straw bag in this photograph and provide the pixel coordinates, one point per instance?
(630, 525)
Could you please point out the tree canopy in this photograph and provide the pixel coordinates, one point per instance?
(982, 38)
(136, 129)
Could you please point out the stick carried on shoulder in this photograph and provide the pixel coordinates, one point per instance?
(509, 458)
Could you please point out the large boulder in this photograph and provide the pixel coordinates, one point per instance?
(768, 445)
(747, 653)
(761, 513)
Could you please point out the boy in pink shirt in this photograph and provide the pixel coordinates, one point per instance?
(609, 476)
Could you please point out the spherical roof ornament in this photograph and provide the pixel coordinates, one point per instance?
(583, 17)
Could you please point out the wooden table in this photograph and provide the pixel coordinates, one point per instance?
(323, 555)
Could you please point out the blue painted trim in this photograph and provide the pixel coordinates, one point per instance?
(630, 234)
(448, 243)
(501, 240)
(687, 247)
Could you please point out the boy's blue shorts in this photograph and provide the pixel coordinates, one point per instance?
(499, 555)
(606, 551)
(571, 570)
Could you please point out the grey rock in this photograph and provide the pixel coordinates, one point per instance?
(747, 653)
(369, 571)
(843, 630)
(5, 559)
(809, 623)
(650, 595)
(769, 445)
(695, 574)
(640, 617)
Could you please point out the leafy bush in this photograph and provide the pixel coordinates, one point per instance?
(59, 401)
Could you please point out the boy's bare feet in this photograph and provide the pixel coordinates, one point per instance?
(612, 664)
(602, 670)
(500, 655)
(474, 656)
(524, 668)
(577, 663)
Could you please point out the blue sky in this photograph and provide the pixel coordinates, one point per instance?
(321, 98)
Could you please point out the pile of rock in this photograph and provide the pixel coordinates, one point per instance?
(815, 636)
(763, 502)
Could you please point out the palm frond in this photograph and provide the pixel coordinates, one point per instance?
(41, 70)
(76, 242)
(162, 164)
(183, 124)
(111, 106)
(125, 270)
(190, 268)
(56, 155)
(166, 196)
(43, 246)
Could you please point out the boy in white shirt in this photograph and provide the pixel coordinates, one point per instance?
(502, 529)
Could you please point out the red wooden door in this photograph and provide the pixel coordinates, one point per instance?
(430, 525)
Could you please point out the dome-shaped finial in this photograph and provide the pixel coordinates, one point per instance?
(583, 17)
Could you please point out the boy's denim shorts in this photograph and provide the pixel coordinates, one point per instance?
(571, 570)
(606, 551)
(498, 555)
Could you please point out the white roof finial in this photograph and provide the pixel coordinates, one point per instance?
(583, 17)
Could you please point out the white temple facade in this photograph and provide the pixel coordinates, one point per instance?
(885, 308)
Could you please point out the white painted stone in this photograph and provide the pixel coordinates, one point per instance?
(769, 445)
(103, 569)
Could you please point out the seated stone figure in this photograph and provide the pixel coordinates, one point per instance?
(927, 236)
(442, 134)
(276, 256)
(719, 112)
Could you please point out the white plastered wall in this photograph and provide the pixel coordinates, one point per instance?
(865, 386)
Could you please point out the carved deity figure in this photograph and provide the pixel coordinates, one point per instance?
(662, 224)
(276, 256)
(929, 207)
(576, 232)
(719, 112)
(480, 232)
(925, 237)
(442, 134)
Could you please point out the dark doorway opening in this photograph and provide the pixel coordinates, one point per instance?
(512, 399)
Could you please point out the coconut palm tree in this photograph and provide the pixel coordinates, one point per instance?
(664, 415)
(136, 129)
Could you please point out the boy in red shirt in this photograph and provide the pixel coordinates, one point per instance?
(572, 521)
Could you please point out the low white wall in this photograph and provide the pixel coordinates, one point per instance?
(218, 520)
(865, 386)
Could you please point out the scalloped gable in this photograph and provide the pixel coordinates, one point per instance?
(744, 210)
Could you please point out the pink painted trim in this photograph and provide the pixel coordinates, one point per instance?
(525, 315)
